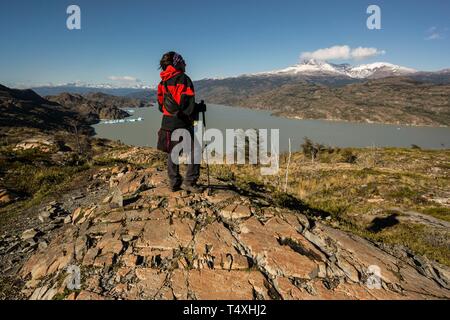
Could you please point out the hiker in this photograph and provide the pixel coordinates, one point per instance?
(176, 100)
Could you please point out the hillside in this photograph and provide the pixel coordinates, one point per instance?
(93, 107)
(133, 239)
(117, 101)
(68, 199)
(396, 100)
(84, 89)
(399, 198)
(25, 110)
(379, 92)
(55, 122)
(312, 89)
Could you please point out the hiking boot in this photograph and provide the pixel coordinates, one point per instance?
(192, 188)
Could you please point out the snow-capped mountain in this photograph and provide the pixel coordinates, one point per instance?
(314, 67)
(83, 88)
(80, 84)
(379, 69)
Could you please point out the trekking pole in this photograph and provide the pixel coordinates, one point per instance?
(207, 160)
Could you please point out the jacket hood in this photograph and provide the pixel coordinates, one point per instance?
(170, 72)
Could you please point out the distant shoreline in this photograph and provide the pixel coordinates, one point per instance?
(274, 114)
(366, 122)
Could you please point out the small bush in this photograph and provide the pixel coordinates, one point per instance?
(313, 150)
(348, 156)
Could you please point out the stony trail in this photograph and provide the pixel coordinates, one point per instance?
(144, 242)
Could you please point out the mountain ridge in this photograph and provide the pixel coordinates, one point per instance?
(364, 71)
(306, 66)
(296, 91)
(394, 100)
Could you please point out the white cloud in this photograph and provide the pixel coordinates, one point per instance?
(333, 53)
(342, 53)
(364, 53)
(124, 79)
(434, 36)
(433, 33)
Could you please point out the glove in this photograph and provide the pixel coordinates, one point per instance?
(200, 107)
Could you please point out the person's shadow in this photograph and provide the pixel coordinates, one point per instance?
(378, 224)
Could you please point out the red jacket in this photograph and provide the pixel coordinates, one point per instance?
(182, 90)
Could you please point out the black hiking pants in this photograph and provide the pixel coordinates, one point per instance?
(192, 171)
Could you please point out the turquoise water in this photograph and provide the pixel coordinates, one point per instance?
(333, 133)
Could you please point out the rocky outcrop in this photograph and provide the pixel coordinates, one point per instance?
(92, 109)
(23, 112)
(145, 242)
(118, 102)
(41, 143)
(7, 197)
(24, 109)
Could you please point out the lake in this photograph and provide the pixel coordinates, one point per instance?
(333, 133)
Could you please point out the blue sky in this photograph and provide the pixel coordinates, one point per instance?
(217, 38)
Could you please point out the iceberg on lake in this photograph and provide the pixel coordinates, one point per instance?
(116, 121)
